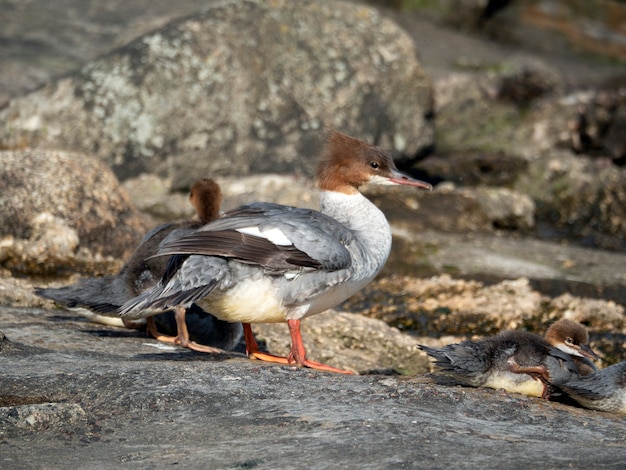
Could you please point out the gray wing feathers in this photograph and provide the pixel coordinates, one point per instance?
(103, 295)
(601, 384)
(467, 358)
(318, 241)
(196, 278)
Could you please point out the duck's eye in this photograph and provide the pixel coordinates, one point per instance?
(569, 341)
(374, 165)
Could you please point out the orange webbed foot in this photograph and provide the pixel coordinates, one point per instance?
(182, 339)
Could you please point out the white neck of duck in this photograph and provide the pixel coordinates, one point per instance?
(367, 222)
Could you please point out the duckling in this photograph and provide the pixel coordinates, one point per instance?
(94, 297)
(517, 361)
(603, 390)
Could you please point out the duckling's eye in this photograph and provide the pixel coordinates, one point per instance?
(569, 341)
(374, 165)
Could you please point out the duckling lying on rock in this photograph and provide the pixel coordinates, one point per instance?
(519, 361)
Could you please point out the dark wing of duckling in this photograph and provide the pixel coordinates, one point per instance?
(467, 361)
(603, 390)
(601, 384)
(103, 295)
(561, 367)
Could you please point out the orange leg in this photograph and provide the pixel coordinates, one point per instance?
(183, 334)
(539, 373)
(296, 356)
(298, 353)
(252, 348)
(182, 338)
(152, 331)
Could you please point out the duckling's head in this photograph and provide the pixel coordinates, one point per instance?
(570, 337)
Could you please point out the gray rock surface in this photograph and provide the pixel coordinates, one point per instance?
(244, 87)
(584, 196)
(33, 55)
(126, 405)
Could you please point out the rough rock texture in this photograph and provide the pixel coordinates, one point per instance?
(444, 209)
(556, 267)
(444, 305)
(145, 407)
(473, 167)
(582, 195)
(342, 339)
(62, 210)
(154, 197)
(505, 209)
(244, 87)
(474, 118)
(79, 32)
(594, 27)
(605, 316)
(42, 417)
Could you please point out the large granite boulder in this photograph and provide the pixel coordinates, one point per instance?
(582, 196)
(549, 149)
(63, 210)
(244, 87)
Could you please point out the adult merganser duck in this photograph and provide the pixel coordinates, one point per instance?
(267, 262)
(93, 297)
(603, 390)
(517, 361)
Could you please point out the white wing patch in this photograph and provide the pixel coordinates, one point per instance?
(275, 235)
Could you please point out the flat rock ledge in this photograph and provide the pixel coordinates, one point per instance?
(75, 393)
(154, 410)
